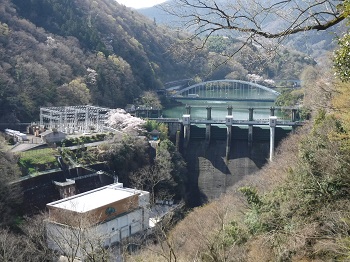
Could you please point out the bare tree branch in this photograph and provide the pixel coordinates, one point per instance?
(252, 17)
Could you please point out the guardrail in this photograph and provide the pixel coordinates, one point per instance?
(280, 122)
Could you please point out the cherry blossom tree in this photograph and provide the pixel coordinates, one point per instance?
(120, 120)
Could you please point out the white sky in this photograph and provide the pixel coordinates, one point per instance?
(140, 3)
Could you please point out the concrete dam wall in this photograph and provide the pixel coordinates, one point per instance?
(210, 173)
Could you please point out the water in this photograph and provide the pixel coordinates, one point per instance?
(219, 109)
(237, 93)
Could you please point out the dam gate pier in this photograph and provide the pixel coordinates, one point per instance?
(272, 129)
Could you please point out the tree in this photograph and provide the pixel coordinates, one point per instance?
(150, 99)
(34, 237)
(74, 93)
(10, 194)
(76, 235)
(126, 153)
(40, 238)
(166, 178)
(167, 153)
(319, 88)
(27, 243)
(11, 247)
(151, 125)
(156, 179)
(252, 20)
(122, 121)
(238, 72)
(342, 58)
(148, 178)
(211, 237)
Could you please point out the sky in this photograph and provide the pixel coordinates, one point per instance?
(140, 3)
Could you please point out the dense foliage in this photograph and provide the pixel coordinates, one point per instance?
(10, 196)
(126, 154)
(82, 51)
(286, 64)
(297, 207)
(312, 203)
(341, 58)
(56, 53)
(162, 128)
(294, 209)
(78, 52)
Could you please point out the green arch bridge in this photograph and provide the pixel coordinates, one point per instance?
(227, 90)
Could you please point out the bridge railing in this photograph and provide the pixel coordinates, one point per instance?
(228, 81)
(166, 120)
(266, 121)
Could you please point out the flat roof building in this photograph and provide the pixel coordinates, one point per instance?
(50, 136)
(96, 219)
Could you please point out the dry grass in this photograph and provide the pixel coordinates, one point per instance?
(299, 236)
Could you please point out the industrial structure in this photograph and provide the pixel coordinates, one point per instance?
(17, 135)
(70, 119)
(96, 219)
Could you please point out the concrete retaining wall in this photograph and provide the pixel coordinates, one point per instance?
(40, 190)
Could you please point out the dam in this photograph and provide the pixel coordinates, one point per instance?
(213, 167)
(211, 171)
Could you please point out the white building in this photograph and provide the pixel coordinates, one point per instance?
(84, 223)
(17, 136)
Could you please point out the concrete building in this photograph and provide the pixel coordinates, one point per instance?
(96, 219)
(50, 136)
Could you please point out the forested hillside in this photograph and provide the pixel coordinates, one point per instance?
(313, 43)
(60, 52)
(55, 53)
(296, 208)
(77, 52)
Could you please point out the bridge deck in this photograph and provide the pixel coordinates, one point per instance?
(262, 122)
(224, 99)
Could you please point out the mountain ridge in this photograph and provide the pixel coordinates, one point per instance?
(47, 44)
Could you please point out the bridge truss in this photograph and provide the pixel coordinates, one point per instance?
(226, 90)
(70, 119)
